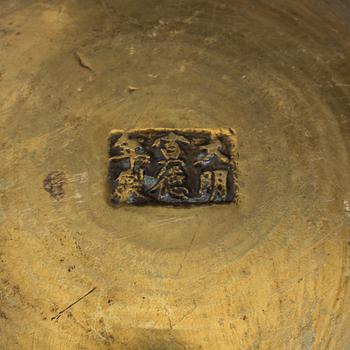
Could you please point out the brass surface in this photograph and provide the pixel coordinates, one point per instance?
(270, 273)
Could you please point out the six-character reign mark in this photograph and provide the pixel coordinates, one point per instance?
(173, 166)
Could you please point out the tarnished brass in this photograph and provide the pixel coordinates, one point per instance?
(79, 273)
(177, 166)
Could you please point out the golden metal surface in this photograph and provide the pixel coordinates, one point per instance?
(270, 273)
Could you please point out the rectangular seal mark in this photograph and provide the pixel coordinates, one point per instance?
(174, 166)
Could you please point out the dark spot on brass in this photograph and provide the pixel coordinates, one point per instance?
(54, 184)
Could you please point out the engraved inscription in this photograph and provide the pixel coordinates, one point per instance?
(175, 166)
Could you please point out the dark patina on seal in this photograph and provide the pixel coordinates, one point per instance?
(174, 166)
